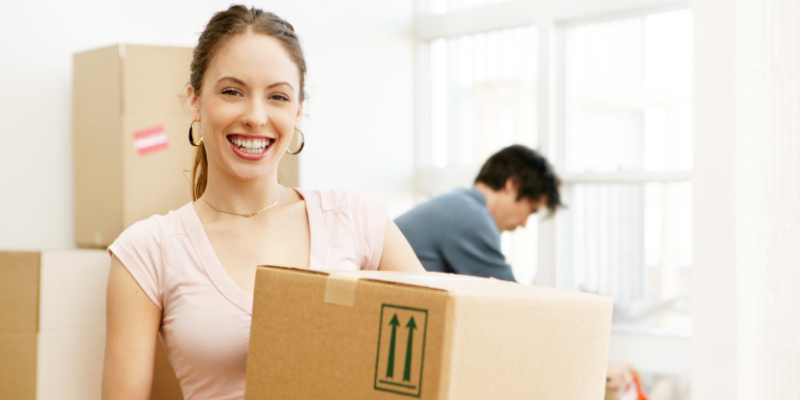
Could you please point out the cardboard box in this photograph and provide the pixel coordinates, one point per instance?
(130, 137)
(382, 335)
(52, 324)
(53, 327)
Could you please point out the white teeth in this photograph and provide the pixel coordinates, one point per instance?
(252, 146)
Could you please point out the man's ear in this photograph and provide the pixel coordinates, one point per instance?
(510, 186)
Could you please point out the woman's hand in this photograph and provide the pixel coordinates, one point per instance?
(397, 253)
(132, 324)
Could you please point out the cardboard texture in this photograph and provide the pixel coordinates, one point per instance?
(121, 94)
(383, 335)
(52, 324)
(118, 91)
(53, 327)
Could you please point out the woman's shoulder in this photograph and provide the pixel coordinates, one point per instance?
(156, 227)
(335, 199)
(349, 224)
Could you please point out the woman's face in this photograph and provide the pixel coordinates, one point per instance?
(249, 106)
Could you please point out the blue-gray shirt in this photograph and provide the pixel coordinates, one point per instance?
(456, 233)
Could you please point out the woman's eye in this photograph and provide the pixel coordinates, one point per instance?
(279, 97)
(230, 92)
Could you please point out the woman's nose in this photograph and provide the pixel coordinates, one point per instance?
(256, 115)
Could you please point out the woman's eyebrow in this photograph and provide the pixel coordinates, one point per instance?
(234, 80)
(280, 83)
(241, 82)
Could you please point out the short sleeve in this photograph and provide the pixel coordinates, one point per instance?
(369, 222)
(140, 251)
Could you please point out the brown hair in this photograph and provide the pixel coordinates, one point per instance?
(222, 27)
(530, 171)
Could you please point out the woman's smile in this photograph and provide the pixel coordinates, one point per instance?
(250, 147)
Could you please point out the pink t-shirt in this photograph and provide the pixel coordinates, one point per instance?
(206, 317)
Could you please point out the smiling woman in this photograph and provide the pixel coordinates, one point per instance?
(189, 275)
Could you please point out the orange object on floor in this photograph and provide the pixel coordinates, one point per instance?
(623, 383)
(638, 382)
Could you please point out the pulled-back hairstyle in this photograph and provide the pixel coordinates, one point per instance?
(531, 173)
(222, 27)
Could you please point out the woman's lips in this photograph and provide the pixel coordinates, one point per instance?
(249, 156)
(250, 148)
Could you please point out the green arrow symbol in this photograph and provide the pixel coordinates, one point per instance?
(390, 369)
(407, 371)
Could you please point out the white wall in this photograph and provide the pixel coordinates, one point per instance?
(359, 129)
(746, 183)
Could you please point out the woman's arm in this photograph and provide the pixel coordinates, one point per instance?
(132, 324)
(397, 253)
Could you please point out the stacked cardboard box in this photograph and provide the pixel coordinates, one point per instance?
(382, 335)
(52, 324)
(129, 136)
(53, 327)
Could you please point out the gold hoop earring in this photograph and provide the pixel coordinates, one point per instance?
(191, 139)
(302, 144)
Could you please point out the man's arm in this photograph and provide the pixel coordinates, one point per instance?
(471, 246)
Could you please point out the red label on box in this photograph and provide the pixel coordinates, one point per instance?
(150, 140)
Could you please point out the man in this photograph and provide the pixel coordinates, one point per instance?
(459, 232)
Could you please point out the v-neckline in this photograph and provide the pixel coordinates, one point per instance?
(216, 272)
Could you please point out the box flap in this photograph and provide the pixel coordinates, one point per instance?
(19, 292)
(460, 285)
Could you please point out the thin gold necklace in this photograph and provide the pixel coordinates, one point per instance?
(247, 215)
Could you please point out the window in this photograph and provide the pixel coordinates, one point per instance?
(627, 157)
(482, 95)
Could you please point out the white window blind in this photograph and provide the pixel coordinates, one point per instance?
(627, 158)
(482, 95)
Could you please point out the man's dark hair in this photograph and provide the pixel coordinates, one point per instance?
(529, 171)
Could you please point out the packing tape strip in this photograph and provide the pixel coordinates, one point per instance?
(341, 289)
